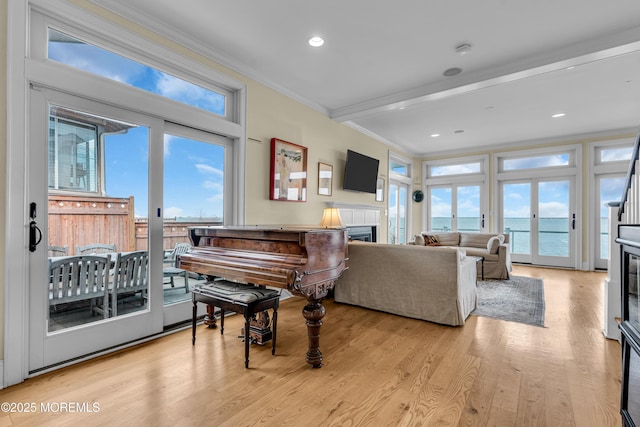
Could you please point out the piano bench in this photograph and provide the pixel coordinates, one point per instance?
(238, 298)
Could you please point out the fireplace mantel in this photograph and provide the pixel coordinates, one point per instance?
(355, 215)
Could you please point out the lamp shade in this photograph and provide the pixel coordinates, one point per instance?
(331, 218)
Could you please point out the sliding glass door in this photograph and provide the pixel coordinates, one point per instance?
(193, 195)
(90, 285)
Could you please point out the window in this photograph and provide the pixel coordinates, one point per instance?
(400, 167)
(609, 163)
(72, 153)
(398, 204)
(454, 169)
(77, 146)
(456, 191)
(535, 162)
(84, 56)
(608, 155)
(537, 204)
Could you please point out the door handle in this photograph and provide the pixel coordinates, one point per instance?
(35, 236)
(573, 222)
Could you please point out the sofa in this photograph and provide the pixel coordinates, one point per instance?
(399, 279)
(494, 248)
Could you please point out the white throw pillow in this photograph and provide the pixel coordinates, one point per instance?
(492, 244)
(418, 240)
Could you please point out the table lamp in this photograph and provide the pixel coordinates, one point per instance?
(331, 218)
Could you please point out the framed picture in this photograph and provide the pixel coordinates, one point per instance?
(325, 179)
(380, 190)
(288, 180)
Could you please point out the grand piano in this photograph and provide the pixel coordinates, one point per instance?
(307, 261)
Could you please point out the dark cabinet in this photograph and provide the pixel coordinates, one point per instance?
(629, 239)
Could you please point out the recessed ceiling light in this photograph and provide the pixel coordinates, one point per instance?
(555, 116)
(450, 72)
(316, 41)
(435, 135)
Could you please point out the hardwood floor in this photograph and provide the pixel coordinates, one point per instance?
(379, 370)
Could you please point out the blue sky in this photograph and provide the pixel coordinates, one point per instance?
(193, 182)
(194, 170)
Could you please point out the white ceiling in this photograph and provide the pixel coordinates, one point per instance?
(381, 55)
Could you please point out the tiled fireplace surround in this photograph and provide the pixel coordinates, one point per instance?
(362, 221)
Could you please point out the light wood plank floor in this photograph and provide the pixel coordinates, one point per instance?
(380, 370)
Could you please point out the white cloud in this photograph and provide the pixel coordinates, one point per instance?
(173, 212)
(553, 210)
(181, 90)
(460, 169)
(440, 210)
(209, 170)
(521, 212)
(536, 162)
(210, 185)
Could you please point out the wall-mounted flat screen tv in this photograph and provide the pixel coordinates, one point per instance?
(360, 172)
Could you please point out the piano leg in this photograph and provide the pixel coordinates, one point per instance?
(210, 318)
(314, 312)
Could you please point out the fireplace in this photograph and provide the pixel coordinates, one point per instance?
(363, 222)
(364, 233)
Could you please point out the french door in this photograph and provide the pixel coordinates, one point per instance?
(609, 187)
(398, 201)
(456, 207)
(540, 218)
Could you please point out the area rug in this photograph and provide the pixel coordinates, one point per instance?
(519, 299)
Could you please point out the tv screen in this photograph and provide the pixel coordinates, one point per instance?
(360, 172)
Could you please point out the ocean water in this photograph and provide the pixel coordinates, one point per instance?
(553, 233)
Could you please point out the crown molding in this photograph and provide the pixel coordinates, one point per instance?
(129, 12)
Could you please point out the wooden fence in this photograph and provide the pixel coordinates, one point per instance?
(82, 220)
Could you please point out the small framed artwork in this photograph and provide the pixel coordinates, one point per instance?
(325, 179)
(288, 180)
(380, 190)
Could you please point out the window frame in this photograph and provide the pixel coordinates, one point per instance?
(475, 178)
(26, 28)
(401, 180)
(529, 154)
(597, 168)
(571, 171)
(126, 53)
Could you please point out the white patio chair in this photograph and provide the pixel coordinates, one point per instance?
(79, 278)
(131, 276)
(171, 270)
(95, 248)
